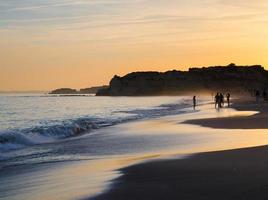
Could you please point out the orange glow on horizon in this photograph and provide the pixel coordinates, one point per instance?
(48, 51)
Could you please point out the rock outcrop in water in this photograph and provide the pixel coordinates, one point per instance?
(64, 91)
(231, 78)
(91, 90)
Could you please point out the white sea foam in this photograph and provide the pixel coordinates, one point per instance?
(24, 137)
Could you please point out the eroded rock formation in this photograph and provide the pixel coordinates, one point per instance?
(231, 78)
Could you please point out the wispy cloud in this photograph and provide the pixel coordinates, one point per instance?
(24, 11)
(45, 5)
(258, 4)
(102, 19)
(41, 36)
(22, 5)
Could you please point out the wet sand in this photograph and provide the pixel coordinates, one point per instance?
(230, 174)
(257, 121)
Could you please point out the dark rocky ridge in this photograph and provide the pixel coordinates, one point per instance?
(64, 91)
(231, 78)
(91, 90)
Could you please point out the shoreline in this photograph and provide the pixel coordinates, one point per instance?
(228, 174)
(256, 121)
(129, 145)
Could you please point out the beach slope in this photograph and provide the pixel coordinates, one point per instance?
(257, 121)
(232, 174)
(238, 174)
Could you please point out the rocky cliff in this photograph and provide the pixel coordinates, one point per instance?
(92, 90)
(231, 78)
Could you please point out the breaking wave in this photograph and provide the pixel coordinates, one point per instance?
(19, 138)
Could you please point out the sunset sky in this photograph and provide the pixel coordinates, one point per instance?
(47, 44)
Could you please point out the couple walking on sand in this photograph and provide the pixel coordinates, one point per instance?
(219, 100)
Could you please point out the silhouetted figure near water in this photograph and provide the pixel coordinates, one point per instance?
(218, 100)
(228, 99)
(194, 102)
(257, 95)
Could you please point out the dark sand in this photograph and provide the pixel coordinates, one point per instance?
(239, 174)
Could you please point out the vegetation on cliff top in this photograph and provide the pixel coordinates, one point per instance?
(231, 78)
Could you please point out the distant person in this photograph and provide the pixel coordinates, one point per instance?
(194, 102)
(221, 100)
(218, 100)
(257, 95)
(228, 99)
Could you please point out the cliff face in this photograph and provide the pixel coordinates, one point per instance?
(92, 90)
(231, 78)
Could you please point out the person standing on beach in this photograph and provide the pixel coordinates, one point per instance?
(194, 102)
(228, 99)
(216, 99)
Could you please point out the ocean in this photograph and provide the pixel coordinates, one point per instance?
(43, 137)
(34, 119)
(72, 147)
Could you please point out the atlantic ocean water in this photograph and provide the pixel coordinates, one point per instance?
(28, 120)
(67, 147)
(73, 147)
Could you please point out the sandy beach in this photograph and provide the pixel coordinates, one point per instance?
(256, 121)
(156, 158)
(116, 100)
(230, 174)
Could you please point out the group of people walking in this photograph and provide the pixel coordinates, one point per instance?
(219, 100)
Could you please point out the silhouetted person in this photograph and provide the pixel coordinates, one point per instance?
(228, 99)
(221, 100)
(194, 102)
(257, 95)
(216, 99)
